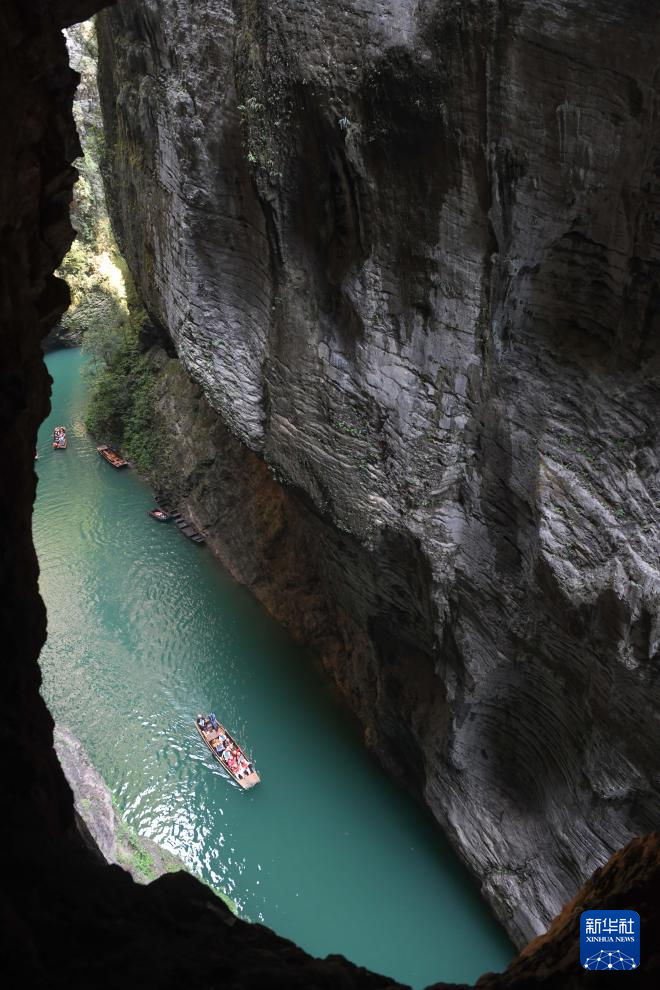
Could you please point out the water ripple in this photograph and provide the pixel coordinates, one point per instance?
(145, 631)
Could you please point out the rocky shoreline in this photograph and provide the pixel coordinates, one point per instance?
(117, 842)
(93, 801)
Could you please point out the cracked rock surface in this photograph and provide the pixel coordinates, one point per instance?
(410, 254)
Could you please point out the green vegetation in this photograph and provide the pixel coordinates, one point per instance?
(266, 105)
(258, 143)
(106, 315)
(96, 294)
(123, 388)
(146, 861)
(90, 266)
(133, 855)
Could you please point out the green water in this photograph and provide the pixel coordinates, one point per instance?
(145, 629)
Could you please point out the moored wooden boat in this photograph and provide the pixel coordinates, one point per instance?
(186, 527)
(159, 514)
(60, 441)
(242, 770)
(110, 455)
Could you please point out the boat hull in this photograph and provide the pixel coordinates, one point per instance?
(163, 518)
(63, 442)
(246, 781)
(112, 458)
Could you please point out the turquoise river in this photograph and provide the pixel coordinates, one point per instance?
(145, 629)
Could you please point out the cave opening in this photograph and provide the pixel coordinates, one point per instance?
(100, 924)
(145, 629)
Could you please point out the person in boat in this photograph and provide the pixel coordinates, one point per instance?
(227, 755)
(201, 721)
(214, 722)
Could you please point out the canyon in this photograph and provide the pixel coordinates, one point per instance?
(546, 518)
(401, 264)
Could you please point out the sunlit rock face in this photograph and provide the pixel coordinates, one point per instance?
(410, 253)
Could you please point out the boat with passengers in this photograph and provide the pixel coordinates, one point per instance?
(227, 751)
(60, 441)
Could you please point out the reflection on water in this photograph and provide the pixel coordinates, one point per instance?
(145, 629)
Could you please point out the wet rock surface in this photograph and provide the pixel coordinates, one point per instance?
(409, 253)
(99, 820)
(91, 797)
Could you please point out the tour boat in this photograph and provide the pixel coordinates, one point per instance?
(159, 515)
(244, 778)
(59, 438)
(110, 455)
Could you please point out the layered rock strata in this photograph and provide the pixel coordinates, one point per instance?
(409, 252)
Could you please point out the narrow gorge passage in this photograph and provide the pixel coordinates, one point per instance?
(145, 630)
(374, 302)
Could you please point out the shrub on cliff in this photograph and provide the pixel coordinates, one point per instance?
(122, 388)
(121, 408)
(89, 268)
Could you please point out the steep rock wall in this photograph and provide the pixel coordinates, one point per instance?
(409, 252)
(38, 142)
(89, 267)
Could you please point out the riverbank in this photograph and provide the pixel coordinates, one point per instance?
(145, 630)
(116, 840)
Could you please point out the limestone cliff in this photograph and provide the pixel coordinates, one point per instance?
(89, 268)
(409, 253)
